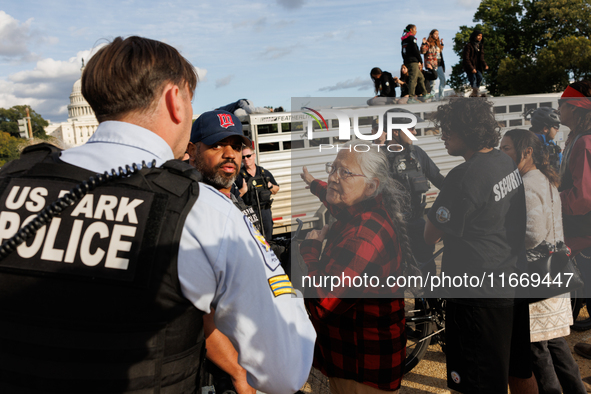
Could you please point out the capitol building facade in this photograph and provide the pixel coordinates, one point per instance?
(81, 123)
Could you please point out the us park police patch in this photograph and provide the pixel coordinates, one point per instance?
(99, 236)
(271, 261)
(442, 215)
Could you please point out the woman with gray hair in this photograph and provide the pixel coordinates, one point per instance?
(360, 330)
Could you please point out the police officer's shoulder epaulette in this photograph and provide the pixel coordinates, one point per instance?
(30, 156)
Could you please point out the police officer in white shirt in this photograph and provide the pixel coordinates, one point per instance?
(71, 328)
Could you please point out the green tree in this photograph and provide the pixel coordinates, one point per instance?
(9, 118)
(528, 44)
(550, 71)
(563, 18)
(9, 147)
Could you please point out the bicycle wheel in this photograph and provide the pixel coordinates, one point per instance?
(419, 326)
(581, 318)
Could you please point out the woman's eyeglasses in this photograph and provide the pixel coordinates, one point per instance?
(343, 173)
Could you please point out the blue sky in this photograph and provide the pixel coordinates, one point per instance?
(267, 51)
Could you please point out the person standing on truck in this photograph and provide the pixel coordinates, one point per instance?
(412, 60)
(256, 187)
(480, 214)
(413, 168)
(114, 302)
(473, 61)
(545, 122)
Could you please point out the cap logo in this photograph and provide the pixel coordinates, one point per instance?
(226, 120)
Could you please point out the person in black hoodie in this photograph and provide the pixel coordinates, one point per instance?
(473, 61)
(385, 87)
(412, 60)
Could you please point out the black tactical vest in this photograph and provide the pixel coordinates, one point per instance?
(257, 185)
(406, 169)
(92, 302)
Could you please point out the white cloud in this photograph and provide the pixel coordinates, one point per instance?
(223, 81)
(201, 73)
(16, 37)
(359, 83)
(291, 4)
(46, 87)
(471, 4)
(276, 53)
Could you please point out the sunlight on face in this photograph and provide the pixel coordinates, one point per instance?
(348, 191)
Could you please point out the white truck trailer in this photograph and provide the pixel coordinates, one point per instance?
(283, 147)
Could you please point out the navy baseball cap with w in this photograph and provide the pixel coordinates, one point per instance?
(213, 126)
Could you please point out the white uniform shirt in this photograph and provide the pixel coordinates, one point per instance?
(221, 265)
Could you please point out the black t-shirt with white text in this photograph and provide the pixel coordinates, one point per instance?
(481, 210)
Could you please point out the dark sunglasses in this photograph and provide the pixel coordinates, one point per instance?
(246, 156)
(562, 101)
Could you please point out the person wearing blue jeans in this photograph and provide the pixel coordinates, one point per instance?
(475, 79)
(442, 81)
(473, 61)
(432, 50)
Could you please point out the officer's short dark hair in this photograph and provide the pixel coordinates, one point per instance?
(129, 74)
(471, 119)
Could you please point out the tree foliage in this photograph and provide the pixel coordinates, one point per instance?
(9, 118)
(9, 147)
(531, 46)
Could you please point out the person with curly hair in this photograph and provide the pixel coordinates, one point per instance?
(480, 214)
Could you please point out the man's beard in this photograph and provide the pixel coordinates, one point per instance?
(213, 177)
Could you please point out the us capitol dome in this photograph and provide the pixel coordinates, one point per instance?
(81, 123)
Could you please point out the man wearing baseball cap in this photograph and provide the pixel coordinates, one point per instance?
(215, 149)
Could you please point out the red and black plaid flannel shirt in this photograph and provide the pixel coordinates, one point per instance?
(362, 338)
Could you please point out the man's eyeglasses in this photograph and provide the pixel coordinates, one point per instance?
(343, 173)
(246, 156)
(562, 101)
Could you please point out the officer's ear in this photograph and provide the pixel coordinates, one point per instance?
(173, 98)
